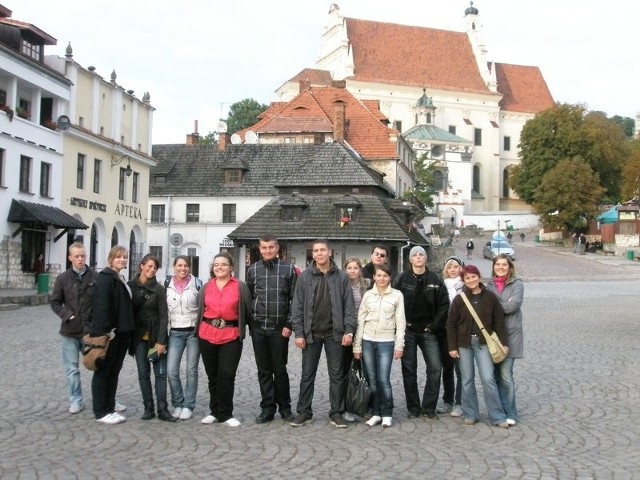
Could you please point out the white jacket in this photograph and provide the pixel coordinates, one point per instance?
(381, 318)
(183, 307)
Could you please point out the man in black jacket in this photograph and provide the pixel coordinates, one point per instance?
(71, 300)
(272, 283)
(426, 303)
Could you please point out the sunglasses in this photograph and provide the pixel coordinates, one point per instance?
(381, 255)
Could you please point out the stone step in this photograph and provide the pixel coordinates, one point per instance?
(10, 306)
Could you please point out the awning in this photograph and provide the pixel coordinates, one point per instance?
(37, 215)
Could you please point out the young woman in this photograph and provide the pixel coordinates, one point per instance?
(510, 291)
(150, 313)
(467, 344)
(379, 340)
(451, 398)
(224, 306)
(359, 285)
(182, 302)
(112, 313)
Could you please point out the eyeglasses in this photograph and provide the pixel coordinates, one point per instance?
(381, 255)
(221, 265)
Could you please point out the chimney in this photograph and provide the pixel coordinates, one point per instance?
(304, 85)
(224, 139)
(193, 138)
(338, 121)
(339, 84)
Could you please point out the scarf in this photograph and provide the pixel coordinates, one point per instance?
(500, 283)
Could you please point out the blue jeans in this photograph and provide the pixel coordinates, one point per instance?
(377, 358)
(482, 357)
(180, 340)
(506, 387)
(428, 343)
(271, 352)
(71, 348)
(310, 360)
(144, 374)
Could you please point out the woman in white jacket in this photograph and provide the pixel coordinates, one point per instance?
(182, 295)
(379, 340)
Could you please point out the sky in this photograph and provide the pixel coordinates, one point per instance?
(197, 57)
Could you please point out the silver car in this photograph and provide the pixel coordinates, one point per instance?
(494, 247)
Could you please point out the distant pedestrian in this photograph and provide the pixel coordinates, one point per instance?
(509, 236)
(582, 244)
(38, 266)
(522, 236)
(470, 246)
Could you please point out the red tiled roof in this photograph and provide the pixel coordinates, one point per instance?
(314, 76)
(414, 56)
(523, 89)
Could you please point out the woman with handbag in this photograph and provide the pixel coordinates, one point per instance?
(510, 291)
(467, 343)
(112, 314)
(379, 340)
(224, 305)
(150, 338)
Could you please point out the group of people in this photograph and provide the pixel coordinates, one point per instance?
(356, 314)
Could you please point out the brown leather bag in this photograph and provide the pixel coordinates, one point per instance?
(94, 351)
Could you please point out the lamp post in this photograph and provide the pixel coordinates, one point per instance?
(117, 160)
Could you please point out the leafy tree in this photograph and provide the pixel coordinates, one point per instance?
(564, 132)
(425, 182)
(210, 138)
(569, 195)
(631, 173)
(244, 114)
(627, 124)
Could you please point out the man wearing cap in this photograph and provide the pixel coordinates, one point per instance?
(426, 304)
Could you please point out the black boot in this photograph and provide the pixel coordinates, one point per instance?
(164, 414)
(149, 412)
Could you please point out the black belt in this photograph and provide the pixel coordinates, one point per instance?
(220, 323)
(183, 329)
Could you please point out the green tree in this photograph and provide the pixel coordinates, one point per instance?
(425, 182)
(569, 195)
(244, 114)
(627, 124)
(210, 138)
(631, 173)
(564, 132)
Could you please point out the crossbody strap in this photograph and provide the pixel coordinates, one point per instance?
(473, 312)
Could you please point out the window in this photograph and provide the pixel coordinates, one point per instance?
(3, 97)
(507, 144)
(33, 244)
(31, 50)
(439, 180)
(233, 176)
(157, 214)
(1, 168)
(229, 213)
(397, 124)
(292, 214)
(193, 213)
(97, 174)
(452, 129)
(476, 179)
(477, 136)
(505, 182)
(346, 212)
(80, 171)
(289, 139)
(156, 252)
(192, 251)
(25, 174)
(122, 191)
(45, 179)
(135, 187)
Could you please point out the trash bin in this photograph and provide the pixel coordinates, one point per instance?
(630, 254)
(43, 283)
(537, 238)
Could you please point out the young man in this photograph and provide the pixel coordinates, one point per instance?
(426, 303)
(272, 282)
(379, 256)
(322, 314)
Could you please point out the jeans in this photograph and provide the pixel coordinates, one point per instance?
(506, 387)
(428, 343)
(179, 340)
(221, 364)
(71, 348)
(452, 389)
(310, 360)
(144, 374)
(482, 357)
(104, 383)
(377, 358)
(271, 351)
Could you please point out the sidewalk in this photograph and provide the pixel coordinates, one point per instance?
(612, 260)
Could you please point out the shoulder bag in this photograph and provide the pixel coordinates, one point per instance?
(496, 349)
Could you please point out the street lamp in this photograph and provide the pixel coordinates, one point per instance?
(117, 160)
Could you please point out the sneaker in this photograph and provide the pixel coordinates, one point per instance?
(373, 421)
(348, 416)
(109, 419)
(119, 407)
(186, 414)
(470, 421)
(76, 408)
(386, 421)
(233, 422)
(502, 424)
(337, 420)
(300, 420)
(457, 411)
(208, 420)
(287, 414)
(177, 412)
(120, 416)
(444, 408)
(511, 422)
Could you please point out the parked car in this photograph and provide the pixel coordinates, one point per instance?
(494, 247)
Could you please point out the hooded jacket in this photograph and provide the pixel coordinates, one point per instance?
(112, 307)
(511, 300)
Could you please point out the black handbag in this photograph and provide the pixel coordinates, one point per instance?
(358, 393)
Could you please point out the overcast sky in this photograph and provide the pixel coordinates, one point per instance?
(196, 57)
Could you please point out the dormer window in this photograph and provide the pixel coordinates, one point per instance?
(292, 213)
(232, 176)
(346, 214)
(32, 50)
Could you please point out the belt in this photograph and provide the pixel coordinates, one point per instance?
(220, 323)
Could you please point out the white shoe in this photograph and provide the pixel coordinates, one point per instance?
(233, 422)
(348, 417)
(511, 422)
(119, 407)
(457, 411)
(120, 416)
(109, 419)
(386, 421)
(209, 419)
(373, 421)
(186, 414)
(76, 408)
(177, 412)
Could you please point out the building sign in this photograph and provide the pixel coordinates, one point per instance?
(227, 243)
(128, 211)
(81, 202)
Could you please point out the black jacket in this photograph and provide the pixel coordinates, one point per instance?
(73, 297)
(149, 311)
(436, 294)
(112, 306)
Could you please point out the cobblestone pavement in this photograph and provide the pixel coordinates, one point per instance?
(578, 393)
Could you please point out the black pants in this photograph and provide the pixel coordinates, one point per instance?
(221, 364)
(105, 380)
(271, 351)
